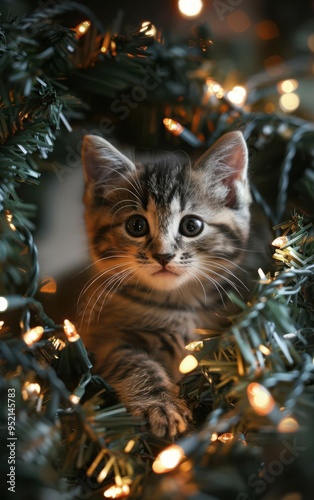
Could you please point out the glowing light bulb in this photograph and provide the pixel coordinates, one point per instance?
(74, 399)
(82, 28)
(168, 459)
(70, 331)
(226, 437)
(33, 335)
(30, 390)
(214, 88)
(237, 95)
(117, 491)
(174, 127)
(190, 8)
(148, 28)
(287, 86)
(188, 364)
(289, 102)
(264, 349)
(195, 346)
(280, 241)
(3, 304)
(260, 398)
(288, 424)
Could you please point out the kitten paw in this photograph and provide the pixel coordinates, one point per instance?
(168, 416)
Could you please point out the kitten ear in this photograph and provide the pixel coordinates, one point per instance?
(101, 160)
(226, 164)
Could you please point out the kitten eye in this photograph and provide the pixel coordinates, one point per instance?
(191, 226)
(137, 226)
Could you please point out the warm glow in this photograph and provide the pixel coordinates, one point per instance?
(267, 29)
(260, 398)
(116, 491)
(239, 21)
(30, 390)
(74, 399)
(195, 346)
(237, 95)
(289, 102)
(280, 241)
(190, 8)
(148, 28)
(188, 364)
(33, 335)
(226, 437)
(174, 127)
(82, 28)
(214, 437)
(264, 349)
(288, 424)
(287, 86)
(70, 331)
(168, 459)
(1, 324)
(214, 88)
(3, 304)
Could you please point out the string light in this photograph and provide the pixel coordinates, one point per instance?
(117, 491)
(33, 335)
(195, 346)
(188, 364)
(226, 437)
(280, 241)
(190, 8)
(287, 86)
(3, 304)
(264, 350)
(178, 130)
(288, 424)
(9, 218)
(214, 88)
(74, 399)
(289, 102)
(168, 459)
(30, 390)
(260, 399)
(70, 331)
(237, 95)
(148, 28)
(82, 28)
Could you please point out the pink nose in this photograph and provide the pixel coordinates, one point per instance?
(163, 258)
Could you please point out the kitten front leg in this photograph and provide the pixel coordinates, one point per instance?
(145, 389)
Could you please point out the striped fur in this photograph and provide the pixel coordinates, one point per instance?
(149, 292)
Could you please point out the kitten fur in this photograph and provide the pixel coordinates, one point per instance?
(167, 240)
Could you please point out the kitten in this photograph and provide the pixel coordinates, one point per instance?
(167, 240)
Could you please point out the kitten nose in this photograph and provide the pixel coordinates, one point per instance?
(163, 258)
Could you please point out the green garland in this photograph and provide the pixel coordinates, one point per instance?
(252, 393)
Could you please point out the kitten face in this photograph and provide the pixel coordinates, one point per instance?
(165, 224)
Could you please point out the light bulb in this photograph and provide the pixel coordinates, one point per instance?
(33, 335)
(260, 398)
(168, 459)
(190, 8)
(188, 364)
(70, 331)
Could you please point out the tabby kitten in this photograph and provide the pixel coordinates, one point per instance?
(166, 239)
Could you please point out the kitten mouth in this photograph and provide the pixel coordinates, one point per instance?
(164, 272)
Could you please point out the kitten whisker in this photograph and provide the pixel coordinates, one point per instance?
(231, 283)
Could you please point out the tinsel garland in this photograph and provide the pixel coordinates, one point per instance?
(251, 392)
